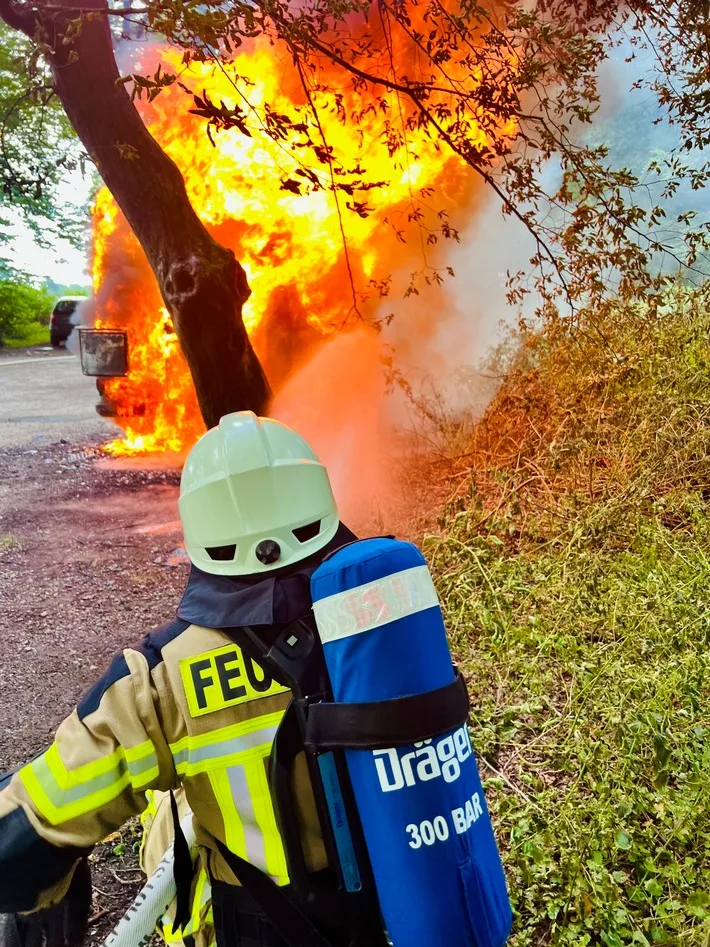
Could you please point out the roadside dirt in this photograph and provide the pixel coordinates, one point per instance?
(88, 564)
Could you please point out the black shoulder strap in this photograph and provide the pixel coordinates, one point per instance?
(182, 869)
(283, 914)
(290, 653)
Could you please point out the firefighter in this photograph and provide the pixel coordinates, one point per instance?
(186, 706)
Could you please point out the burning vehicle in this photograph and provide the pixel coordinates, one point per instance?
(104, 354)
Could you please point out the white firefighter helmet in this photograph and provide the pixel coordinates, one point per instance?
(254, 497)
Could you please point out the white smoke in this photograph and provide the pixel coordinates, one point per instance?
(83, 315)
(346, 400)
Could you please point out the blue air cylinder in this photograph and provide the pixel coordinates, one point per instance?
(434, 857)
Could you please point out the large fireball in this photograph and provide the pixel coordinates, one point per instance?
(291, 245)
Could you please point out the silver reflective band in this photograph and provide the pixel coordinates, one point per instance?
(253, 836)
(64, 795)
(192, 759)
(375, 604)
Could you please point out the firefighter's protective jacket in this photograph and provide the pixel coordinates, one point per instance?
(185, 706)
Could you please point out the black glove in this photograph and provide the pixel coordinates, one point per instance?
(62, 925)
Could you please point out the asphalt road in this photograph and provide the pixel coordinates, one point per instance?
(45, 398)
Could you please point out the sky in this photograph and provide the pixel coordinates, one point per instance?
(63, 263)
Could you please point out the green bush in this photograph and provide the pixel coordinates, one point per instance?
(574, 569)
(22, 308)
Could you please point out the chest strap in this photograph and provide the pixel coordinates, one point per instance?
(387, 723)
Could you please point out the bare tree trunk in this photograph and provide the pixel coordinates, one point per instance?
(203, 285)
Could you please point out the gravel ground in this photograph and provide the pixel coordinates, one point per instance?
(84, 552)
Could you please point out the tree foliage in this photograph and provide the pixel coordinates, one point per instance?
(38, 147)
(510, 88)
(21, 306)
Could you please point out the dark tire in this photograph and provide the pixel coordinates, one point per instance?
(106, 409)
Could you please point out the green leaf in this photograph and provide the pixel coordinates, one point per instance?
(661, 750)
(622, 841)
(653, 887)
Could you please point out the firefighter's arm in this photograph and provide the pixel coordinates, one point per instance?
(86, 785)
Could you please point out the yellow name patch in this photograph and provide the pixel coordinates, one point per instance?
(224, 678)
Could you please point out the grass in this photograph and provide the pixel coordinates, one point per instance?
(574, 564)
(32, 334)
(588, 672)
(8, 543)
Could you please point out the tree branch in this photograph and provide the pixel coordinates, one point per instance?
(412, 94)
(19, 16)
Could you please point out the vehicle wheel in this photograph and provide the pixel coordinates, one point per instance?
(106, 408)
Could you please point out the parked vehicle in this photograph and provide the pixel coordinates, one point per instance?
(60, 323)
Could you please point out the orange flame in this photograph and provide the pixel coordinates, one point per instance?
(291, 245)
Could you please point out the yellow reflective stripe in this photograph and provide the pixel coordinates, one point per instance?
(169, 935)
(61, 794)
(226, 746)
(198, 902)
(233, 825)
(148, 814)
(266, 820)
(66, 779)
(228, 733)
(69, 778)
(200, 898)
(146, 777)
(149, 811)
(139, 760)
(57, 814)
